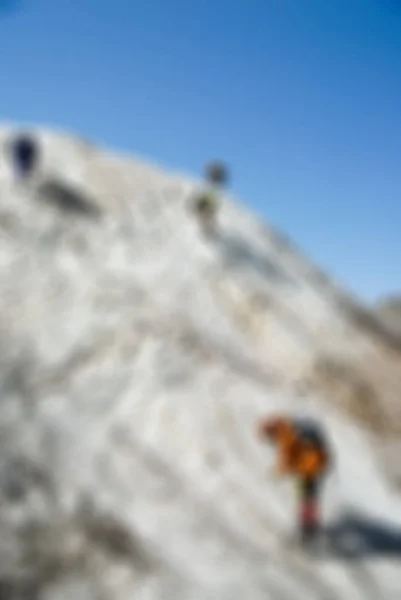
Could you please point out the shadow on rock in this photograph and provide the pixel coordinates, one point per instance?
(239, 254)
(357, 536)
(67, 198)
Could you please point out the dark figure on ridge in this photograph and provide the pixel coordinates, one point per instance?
(24, 153)
(207, 201)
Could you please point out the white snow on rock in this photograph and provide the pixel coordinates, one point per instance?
(136, 357)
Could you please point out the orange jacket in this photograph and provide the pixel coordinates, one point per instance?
(296, 456)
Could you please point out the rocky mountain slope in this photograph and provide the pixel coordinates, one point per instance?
(136, 357)
(389, 309)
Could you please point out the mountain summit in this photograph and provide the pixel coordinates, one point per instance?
(137, 355)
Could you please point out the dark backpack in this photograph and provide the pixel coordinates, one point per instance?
(312, 433)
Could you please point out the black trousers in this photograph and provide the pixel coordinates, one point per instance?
(310, 488)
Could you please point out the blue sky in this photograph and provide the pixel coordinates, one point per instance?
(302, 98)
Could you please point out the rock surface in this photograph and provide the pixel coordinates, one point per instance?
(136, 357)
(390, 311)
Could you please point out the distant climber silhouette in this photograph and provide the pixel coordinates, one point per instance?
(24, 151)
(216, 173)
(206, 202)
(303, 453)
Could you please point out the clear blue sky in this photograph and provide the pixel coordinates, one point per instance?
(301, 97)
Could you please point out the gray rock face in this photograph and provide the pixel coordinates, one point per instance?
(390, 311)
(135, 359)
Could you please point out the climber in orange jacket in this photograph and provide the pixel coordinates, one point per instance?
(303, 454)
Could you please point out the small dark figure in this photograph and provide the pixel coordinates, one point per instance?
(303, 453)
(216, 174)
(24, 155)
(206, 205)
(206, 202)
